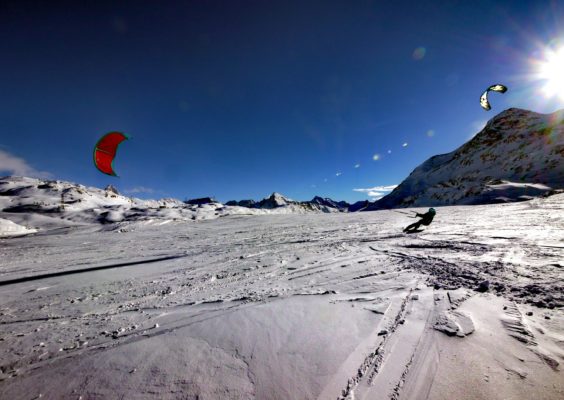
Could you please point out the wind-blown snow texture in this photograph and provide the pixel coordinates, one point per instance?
(517, 156)
(326, 306)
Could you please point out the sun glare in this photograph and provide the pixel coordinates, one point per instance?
(551, 71)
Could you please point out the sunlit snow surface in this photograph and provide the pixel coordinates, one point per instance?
(289, 306)
(9, 228)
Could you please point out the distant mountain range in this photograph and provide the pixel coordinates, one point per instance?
(518, 155)
(28, 205)
(276, 200)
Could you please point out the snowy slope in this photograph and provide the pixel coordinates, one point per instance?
(48, 204)
(278, 307)
(56, 203)
(517, 156)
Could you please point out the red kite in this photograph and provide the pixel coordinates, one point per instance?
(105, 151)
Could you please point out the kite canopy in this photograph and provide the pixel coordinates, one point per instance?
(484, 98)
(105, 152)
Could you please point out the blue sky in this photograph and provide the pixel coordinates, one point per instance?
(237, 99)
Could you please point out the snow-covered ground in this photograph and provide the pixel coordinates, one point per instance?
(314, 306)
(9, 228)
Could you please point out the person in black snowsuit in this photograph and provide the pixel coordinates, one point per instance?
(426, 219)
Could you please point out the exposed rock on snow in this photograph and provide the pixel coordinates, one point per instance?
(111, 189)
(201, 200)
(241, 203)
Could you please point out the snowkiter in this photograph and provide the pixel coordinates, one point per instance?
(426, 219)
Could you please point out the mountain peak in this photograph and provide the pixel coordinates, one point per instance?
(518, 155)
(275, 200)
(111, 188)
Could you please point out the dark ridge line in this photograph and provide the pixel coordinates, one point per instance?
(80, 271)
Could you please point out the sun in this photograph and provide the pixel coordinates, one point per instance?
(551, 71)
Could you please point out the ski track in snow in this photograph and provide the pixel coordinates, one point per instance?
(276, 306)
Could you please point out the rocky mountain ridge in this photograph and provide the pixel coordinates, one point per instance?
(518, 155)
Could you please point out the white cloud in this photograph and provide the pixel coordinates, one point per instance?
(140, 189)
(387, 188)
(357, 165)
(377, 192)
(338, 174)
(14, 165)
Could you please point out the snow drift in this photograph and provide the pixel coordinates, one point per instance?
(9, 228)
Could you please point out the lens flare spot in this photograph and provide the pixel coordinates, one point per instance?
(430, 133)
(376, 157)
(419, 53)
